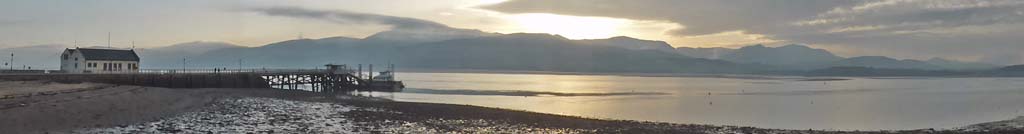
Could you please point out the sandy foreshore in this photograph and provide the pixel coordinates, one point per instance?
(46, 107)
(40, 106)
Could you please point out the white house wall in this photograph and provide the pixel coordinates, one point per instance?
(69, 64)
(125, 66)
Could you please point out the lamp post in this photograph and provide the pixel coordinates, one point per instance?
(239, 64)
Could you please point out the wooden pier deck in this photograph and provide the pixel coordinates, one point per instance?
(336, 79)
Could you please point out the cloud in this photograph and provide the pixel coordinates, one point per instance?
(346, 17)
(915, 15)
(699, 16)
(902, 28)
(404, 30)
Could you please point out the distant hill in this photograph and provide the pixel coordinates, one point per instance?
(885, 62)
(1007, 71)
(163, 57)
(528, 52)
(706, 53)
(789, 56)
(960, 65)
(800, 57)
(1014, 68)
(553, 53)
(305, 53)
(451, 48)
(630, 43)
(857, 71)
(868, 71)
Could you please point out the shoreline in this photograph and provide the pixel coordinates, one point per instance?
(128, 109)
(697, 75)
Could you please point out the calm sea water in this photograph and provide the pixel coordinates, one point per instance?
(789, 103)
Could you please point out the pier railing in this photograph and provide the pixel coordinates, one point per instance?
(334, 78)
(209, 71)
(216, 71)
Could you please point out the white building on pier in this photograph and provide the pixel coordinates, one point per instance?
(97, 60)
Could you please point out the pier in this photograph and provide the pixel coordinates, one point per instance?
(332, 79)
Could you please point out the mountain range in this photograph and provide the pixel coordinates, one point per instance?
(521, 51)
(801, 57)
(450, 48)
(162, 57)
(546, 52)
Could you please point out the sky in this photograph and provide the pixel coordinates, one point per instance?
(972, 30)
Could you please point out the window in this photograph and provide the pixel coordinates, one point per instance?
(76, 65)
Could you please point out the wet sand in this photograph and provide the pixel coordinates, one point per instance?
(103, 108)
(38, 107)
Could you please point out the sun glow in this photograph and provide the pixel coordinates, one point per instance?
(571, 27)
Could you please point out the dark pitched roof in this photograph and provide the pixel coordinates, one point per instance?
(109, 54)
